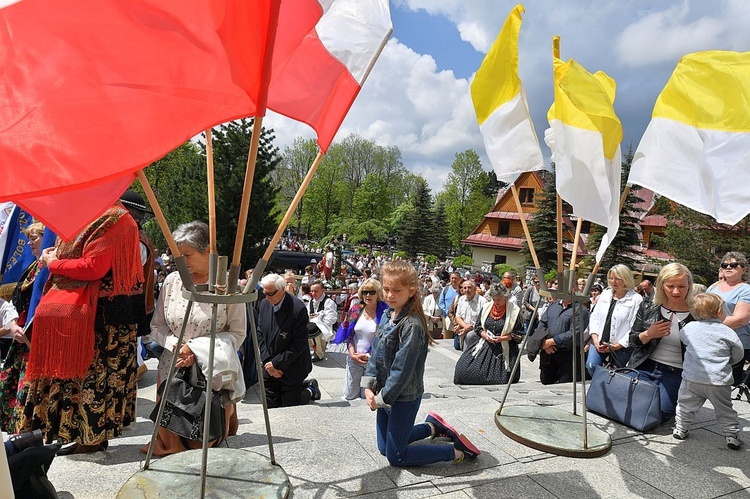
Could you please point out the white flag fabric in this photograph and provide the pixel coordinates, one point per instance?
(696, 150)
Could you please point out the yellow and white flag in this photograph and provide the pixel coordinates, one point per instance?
(696, 150)
(585, 138)
(501, 107)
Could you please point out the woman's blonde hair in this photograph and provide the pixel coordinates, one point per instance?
(34, 228)
(623, 272)
(370, 284)
(405, 274)
(669, 271)
(705, 306)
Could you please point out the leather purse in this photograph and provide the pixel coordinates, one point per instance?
(625, 395)
(185, 406)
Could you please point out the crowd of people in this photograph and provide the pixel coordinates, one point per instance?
(74, 374)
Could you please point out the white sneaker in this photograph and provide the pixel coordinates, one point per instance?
(734, 442)
(679, 434)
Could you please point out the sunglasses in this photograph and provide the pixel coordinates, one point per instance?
(272, 293)
(367, 292)
(732, 265)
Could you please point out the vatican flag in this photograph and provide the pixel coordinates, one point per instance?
(501, 107)
(696, 150)
(585, 138)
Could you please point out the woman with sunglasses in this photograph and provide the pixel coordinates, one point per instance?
(363, 321)
(736, 294)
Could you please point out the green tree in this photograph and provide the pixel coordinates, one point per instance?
(465, 200)
(231, 144)
(439, 232)
(289, 175)
(625, 247)
(415, 235)
(699, 242)
(179, 183)
(543, 226)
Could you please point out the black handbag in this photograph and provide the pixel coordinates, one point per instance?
(625, 395)
(186, 402)
(484, 364)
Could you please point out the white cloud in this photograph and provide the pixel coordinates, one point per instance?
(408, 102)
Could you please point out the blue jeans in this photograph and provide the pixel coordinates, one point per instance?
(595, 358)
(668, 379)
(396, 430)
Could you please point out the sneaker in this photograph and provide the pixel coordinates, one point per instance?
(734, 442)
(312, 385)
(442, 428)
(466, 447)
(679, 434)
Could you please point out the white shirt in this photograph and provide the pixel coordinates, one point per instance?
(623, 316)
(325, 317)
(467, 310)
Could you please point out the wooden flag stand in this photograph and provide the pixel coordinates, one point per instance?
(551, 429)
(238, 473)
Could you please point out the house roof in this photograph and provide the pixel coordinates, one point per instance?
(654, 221)
(490, 241)
(507, 215)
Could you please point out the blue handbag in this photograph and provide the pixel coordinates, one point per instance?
(626, 396)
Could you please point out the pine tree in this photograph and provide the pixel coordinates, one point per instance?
(543, 226)
(415, 236)
(626, 245)
(440, 239)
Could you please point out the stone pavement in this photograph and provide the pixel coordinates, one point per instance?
(328, 449)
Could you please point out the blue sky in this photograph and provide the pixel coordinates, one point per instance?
(417, 96)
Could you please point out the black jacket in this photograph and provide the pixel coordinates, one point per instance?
(558, 321)
(282, 338)
(648, 313)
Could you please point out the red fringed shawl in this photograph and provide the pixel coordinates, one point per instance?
(63, 342)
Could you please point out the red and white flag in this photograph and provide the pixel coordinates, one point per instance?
(93, 90)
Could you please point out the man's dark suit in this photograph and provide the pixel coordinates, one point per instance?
(282, 338)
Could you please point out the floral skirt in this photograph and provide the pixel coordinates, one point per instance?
(11, 380)
(93, 409)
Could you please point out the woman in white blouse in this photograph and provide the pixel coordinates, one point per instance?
(192, 240)
(612, 319)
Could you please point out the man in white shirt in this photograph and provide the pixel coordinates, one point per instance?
(468, 309)
(323, 314)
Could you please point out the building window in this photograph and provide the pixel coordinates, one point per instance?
(500, 259)
(503, 229)
(527, 195)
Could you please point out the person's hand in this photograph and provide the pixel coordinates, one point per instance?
(48, 255)
(615, 346)
(601, 347)
(272, 371)
(659, 329)
(18, 334)
(549, 346)
(185, 357)
(503, 337)
(362, 359)
(370, 399)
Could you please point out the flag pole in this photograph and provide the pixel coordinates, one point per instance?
(576, 240)
(260, 266)
(560, 250)
(179, 260)
(293, 206)
(213, 256)
(522, 216)
(262, 104)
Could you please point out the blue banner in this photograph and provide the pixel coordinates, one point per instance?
(17, 254)
(48, 241)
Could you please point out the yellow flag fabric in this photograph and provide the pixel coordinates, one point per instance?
(585, 135)
(696, 149)
(501, 107)
(585, 100)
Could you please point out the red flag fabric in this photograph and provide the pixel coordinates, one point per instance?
(94, 90)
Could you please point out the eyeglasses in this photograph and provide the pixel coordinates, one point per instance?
(367, 292)
(732, 265)
(271, 293)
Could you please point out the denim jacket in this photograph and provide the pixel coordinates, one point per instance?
(395, 370)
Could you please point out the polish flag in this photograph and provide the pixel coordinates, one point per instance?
(93, 90)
